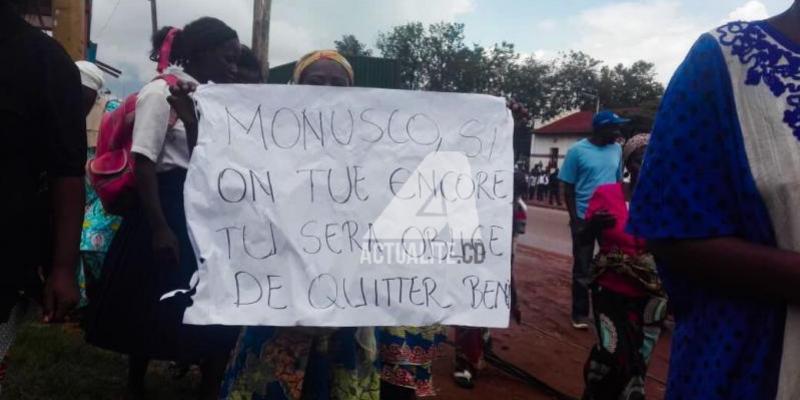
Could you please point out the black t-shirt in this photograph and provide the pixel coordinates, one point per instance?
(43, 128)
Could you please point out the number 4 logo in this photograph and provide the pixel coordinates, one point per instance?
(439, 193)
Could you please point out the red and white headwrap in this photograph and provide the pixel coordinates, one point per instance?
(166, 50)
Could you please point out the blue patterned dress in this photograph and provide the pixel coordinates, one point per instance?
(724, 161)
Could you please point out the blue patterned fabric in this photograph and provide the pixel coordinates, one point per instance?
(771, 64)
(696, 183)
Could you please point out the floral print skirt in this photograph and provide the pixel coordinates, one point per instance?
(275, 363)
(407, 355)
(627, 331)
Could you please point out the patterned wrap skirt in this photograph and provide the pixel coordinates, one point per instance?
(292, 363)
(407, 355)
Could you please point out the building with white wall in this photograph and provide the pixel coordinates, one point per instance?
(552, 141)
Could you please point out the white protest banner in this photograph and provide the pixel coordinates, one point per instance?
(320, 206)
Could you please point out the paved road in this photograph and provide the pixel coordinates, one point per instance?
(548, 230)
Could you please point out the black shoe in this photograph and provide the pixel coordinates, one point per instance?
(463, 379)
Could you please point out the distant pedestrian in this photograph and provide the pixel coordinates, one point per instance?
(530, 179)
(589, 163)
(717, 201)
(542, 185)
(628, 302)
(554, 194)
(471, 345)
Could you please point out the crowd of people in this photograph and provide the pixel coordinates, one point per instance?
(543, 185)
(695, 220)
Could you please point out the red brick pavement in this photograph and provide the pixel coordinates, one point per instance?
(545, 345)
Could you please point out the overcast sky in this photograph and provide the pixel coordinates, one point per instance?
(660, 31)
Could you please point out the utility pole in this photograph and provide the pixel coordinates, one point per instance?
(154, 16)
(69, 26)
(261, 15)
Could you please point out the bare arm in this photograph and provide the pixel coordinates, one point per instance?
(735, 264)
(165, 245)
(191, 136)
(181, 101)
(67, 198)
(63, 135)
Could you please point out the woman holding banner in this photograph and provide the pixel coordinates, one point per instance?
(151, 254)
(306, 363)
(299, 363)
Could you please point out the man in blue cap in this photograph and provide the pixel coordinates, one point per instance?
(589, 163)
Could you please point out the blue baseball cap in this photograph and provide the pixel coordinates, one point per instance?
(607, 118)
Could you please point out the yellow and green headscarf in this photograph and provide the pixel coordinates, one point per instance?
(310, 58)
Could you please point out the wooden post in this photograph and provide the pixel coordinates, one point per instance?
(261, 15)
(154, 16)
(69, 26)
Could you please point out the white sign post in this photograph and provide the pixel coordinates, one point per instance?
(321, 206)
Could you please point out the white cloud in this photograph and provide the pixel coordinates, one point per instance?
(659, 31)
(655, 31)
(543, 55)
(320, 22)
(287, 41)
(753, 10)
(427, 10)
(547, 25)
(297, 26)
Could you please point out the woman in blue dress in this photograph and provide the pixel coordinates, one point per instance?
(717, 201)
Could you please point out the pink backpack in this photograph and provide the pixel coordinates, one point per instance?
(111, 172)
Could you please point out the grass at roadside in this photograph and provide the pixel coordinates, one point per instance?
(53, 362)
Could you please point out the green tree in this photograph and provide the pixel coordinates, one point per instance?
(437, 58)
(573, 82)
(405, 44)
(469, 70)
(530, 83)
(500, 65)
(349, 45)
(631, 86)
(433, 58)
(445, 56)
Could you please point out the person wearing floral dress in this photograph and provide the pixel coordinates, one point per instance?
(274, 363)
(98, 225)
(298, 363)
